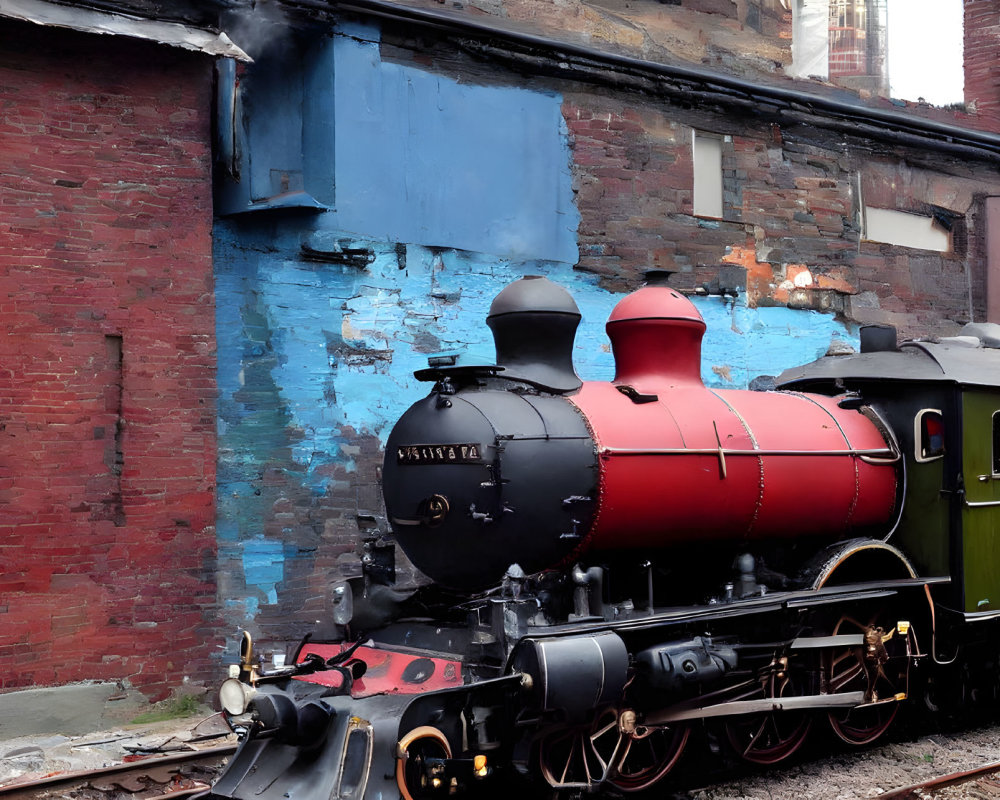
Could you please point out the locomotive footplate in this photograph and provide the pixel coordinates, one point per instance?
(800, 600)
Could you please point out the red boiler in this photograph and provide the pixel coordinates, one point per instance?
(520, 462)
(680, 462)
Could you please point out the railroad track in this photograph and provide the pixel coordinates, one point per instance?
(173, 776)
(982, 782)
(185, 774)
(927, 758)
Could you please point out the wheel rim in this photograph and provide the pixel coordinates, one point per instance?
(648, 755)
(581, 756)
(848, 670)
(414, 748)
(770, 738)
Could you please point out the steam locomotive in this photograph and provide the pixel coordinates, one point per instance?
(615, 564)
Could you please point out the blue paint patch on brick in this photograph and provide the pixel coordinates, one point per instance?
(246, 608)
(428, 160)
(263, 562)
(226, 530)
(743, 343)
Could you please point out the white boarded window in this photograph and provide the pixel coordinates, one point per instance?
(908, 230)
(707, 154)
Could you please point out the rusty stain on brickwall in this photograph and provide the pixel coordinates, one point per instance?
(793, 201)
(795, 285)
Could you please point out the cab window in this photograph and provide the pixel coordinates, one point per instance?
(929, 435)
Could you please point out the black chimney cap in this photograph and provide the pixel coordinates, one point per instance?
(533, 293)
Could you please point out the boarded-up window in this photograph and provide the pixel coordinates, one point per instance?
(907, 230)
(707, 151)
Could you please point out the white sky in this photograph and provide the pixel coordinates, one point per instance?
(925, 50)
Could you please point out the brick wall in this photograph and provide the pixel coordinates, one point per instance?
(982, 69)
(107, 385)
(792, 198)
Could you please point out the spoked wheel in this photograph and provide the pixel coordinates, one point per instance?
(771, 737)
(865, 668)
(581, 757)
(648, 755)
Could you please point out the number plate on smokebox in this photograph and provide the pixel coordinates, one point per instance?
(439, 454)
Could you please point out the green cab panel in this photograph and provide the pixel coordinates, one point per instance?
(925, 525)
(981, 504)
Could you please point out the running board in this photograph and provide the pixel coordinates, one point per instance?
(764, 706)
(773, 602)
(817, 642)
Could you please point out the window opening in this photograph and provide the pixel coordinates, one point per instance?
(929, 435)
(707, 156)
(906, 230)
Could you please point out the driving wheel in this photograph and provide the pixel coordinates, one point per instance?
(580, 757)
(771, 737)
(648, 754)
(866, 668)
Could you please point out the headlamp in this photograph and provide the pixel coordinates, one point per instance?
(235, 696)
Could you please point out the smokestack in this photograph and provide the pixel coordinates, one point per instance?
(534, 324)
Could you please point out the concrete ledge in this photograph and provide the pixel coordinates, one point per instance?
(71, 710)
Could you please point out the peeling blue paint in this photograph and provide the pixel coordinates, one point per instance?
(743, 343)
(246, 608)
(344, 344)
(262, 562)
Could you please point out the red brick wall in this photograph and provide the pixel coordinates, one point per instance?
(107, 362)
(791, 214)
(982, 68)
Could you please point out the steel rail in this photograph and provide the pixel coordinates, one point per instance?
(27, 790)
(918, 790)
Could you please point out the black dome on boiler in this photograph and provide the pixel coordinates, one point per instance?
(534, 323)
(533, 294)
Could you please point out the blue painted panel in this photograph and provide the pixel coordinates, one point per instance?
(319, 131)
(422, 158)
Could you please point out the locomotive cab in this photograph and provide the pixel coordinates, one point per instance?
(941, 399)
